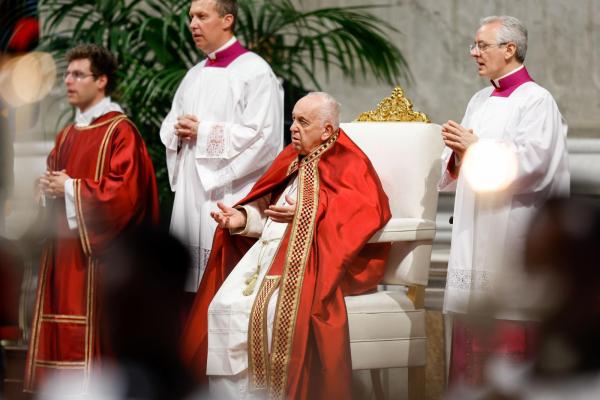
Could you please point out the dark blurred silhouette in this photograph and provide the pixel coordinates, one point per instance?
(564, 245)
(11, 274)
(6, 161)
(142, 301)
(563, 253)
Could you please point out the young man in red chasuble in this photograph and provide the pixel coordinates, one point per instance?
(99, 184)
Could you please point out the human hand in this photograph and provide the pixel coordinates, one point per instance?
(458, 138)
(187, 127)
(283, 213)
(42, 183)
(56, 183)
(229, 217)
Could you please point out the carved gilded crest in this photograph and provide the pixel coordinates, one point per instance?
(394, 108)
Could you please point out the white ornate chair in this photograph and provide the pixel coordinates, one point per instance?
(387, 328)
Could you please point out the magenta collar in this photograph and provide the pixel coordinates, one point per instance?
(225, 57)
(508, 84)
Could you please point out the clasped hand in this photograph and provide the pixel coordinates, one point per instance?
(187, 127)
(457, 137)
(52, 183)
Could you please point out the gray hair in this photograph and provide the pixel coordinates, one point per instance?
(330, 112)
(511, 30)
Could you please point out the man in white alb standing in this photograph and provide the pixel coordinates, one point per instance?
(488, 234)
(224, 128)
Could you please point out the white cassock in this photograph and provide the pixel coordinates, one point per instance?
(240, 109)
(488, 232)
(229, 311)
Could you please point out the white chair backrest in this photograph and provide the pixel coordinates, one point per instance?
(406, 156)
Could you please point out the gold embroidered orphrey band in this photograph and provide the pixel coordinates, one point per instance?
(292, 278)
(64, 132)
(104, 146)
(270, 372)
(258, 349)
(316, 153)
(41, 318)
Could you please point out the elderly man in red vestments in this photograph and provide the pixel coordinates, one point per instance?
(269, 318)
(100, 183)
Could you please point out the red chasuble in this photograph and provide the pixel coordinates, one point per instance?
(322, 258)
(115, 191)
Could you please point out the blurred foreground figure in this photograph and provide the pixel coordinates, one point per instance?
(562, 254)
(485, 265)
(100, 183)
(11, 276)
(142, 297)
(6, 164)
(269, 319)
(142, 293)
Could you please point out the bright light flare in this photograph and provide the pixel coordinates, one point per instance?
(27, 79)
(489, 166)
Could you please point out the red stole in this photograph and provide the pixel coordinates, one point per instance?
(322, 257)
(115, 191)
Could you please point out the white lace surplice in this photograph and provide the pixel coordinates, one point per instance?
(489, 231)
(240, 109)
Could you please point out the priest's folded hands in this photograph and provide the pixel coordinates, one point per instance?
(52, 183)
(458, 138)
(187, 127)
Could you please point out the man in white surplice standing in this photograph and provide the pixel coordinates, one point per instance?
(489, 231)
(224, 129)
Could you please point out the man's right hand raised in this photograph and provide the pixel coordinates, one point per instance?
(228, 217)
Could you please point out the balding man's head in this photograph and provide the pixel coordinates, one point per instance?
(316, 117)
(329, 109)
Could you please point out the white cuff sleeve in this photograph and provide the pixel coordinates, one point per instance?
(70, 204)
(255, 218)
(447, 182)
(212, 140)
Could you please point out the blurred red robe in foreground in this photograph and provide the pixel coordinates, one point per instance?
(115, 191)
(322, 257)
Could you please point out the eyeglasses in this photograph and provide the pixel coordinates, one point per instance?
(76, 75)
(481, 47)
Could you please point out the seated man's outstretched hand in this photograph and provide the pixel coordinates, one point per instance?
(284, 213)
(228, 217)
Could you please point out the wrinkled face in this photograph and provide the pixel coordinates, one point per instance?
(209, 30)
(308, 131)
(492, 59)
(83, 88)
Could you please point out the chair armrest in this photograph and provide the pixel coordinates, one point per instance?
(405, 230)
